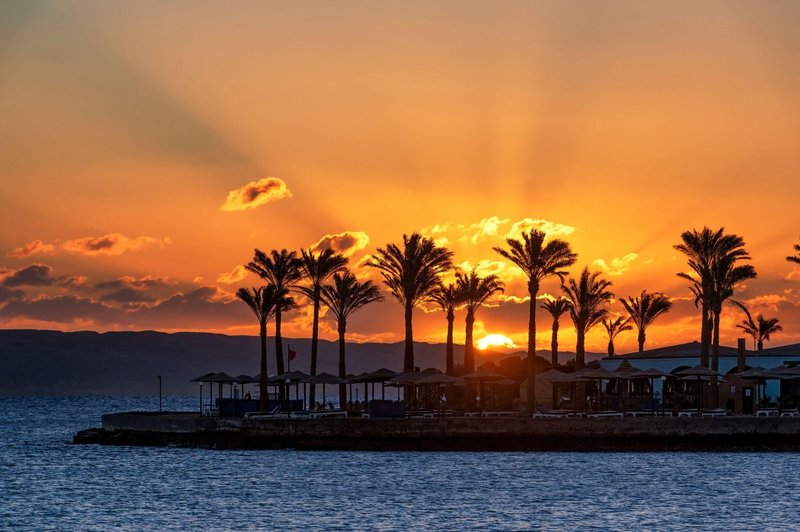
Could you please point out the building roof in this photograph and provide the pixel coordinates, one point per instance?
(692, 350)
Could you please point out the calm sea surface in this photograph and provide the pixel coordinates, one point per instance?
(47, 483)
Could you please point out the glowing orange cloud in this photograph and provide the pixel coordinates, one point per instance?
(346, 243)
(256, 193)
(36, 247)
(234, 276)
(112, 244)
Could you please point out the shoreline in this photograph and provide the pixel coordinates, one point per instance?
(448, 434)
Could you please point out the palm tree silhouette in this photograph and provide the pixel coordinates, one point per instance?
(412, 275)
(317, 269)
(613, 328)
(344, 296)
(449, 298)
(556, 307)
(262, 302)
(281, 269)
(705, 250)
(475, 290)
(644, 310)
(726, 276)
(795, 258)
(760, 330)
(587, 297)
(538, 261)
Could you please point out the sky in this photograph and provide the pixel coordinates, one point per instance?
(146, 149)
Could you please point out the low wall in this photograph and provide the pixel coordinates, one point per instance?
(454, 434)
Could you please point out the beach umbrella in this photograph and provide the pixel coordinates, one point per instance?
(323, 379)
(698, 373)
(201, 379)
(381, 375)
(482, 376)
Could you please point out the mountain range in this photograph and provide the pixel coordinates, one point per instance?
(54, 363)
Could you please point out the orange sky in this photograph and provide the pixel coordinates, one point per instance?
(621, 124)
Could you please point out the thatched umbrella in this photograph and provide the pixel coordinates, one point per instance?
(699, 373)
(482, 376)
(201, 379)
(323, 379)
(381, 375)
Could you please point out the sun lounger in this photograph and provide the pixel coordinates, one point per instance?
(328, 413)
(790, 413)
(264, 414)
(500, 413)
(766, 412)
(640, 413)
(606, 413)
(689, 412)
(715, 412)
(541, 413)
(472, 414)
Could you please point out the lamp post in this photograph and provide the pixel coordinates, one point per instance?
(663, 394)
(201, 399)
(288, 398)
(159, 395)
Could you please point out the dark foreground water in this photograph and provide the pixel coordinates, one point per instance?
(47, 483)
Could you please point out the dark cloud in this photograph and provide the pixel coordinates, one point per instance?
(256, 193)
(61, 309)
(346, 243)
(127, 295)
(10, 293)
(33, 275)
(36, 247)
(128, 281)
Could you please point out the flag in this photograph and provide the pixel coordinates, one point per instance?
(292, 354)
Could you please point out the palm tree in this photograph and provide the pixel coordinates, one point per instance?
(587, 295)
(760, 330)
(795, 258)
(556, 307)
(726, 276)
(281, 269)
(412, 275)
(538, 261)
(262, 302)
(344, 296)
(712, 257)
(644, 310)
(613, 328)
(476, 290)
(699, 247)
(317, 269)
(449, 298)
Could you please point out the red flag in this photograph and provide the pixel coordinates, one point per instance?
(292, 354)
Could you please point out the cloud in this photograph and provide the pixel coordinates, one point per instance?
(486, 228)
(234, 276)
(256, 193)
(112, 244)
(346, 243)
(74, 281)
(126, 281)
(793, 275)
(551, 229)
(10, 293)
(618, 266)
(33, 275)
(61, 309)
(128, 295)
(36, 247)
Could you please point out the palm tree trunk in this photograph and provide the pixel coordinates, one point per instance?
(263, 397)
(279, 350)
(532, 290)
(554, 345)
(641, 340)
(469, 347)
(704, 335)
(611, 348)
(449, 356)
(715, 340)
(580, 350)
(760, 345)
(408, 357)
(342, 370)
(314, 341)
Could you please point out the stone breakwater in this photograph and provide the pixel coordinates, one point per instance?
(449, 434)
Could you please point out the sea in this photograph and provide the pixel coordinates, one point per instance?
(47, 483)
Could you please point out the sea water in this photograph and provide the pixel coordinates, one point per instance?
(48, 483)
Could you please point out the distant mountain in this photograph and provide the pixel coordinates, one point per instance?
(58, 363)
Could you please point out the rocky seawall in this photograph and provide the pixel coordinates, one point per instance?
(449, 434)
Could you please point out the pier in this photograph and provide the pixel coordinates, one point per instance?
(449, 434)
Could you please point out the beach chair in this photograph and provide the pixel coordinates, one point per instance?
(545, 413)
(264, 414)
(687, 412)
(604, 414)
(714, 412)
(766, 412)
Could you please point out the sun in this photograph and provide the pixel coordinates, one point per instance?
(495, 340)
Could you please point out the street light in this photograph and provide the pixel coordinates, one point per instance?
(288, 398)
(159, 395)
